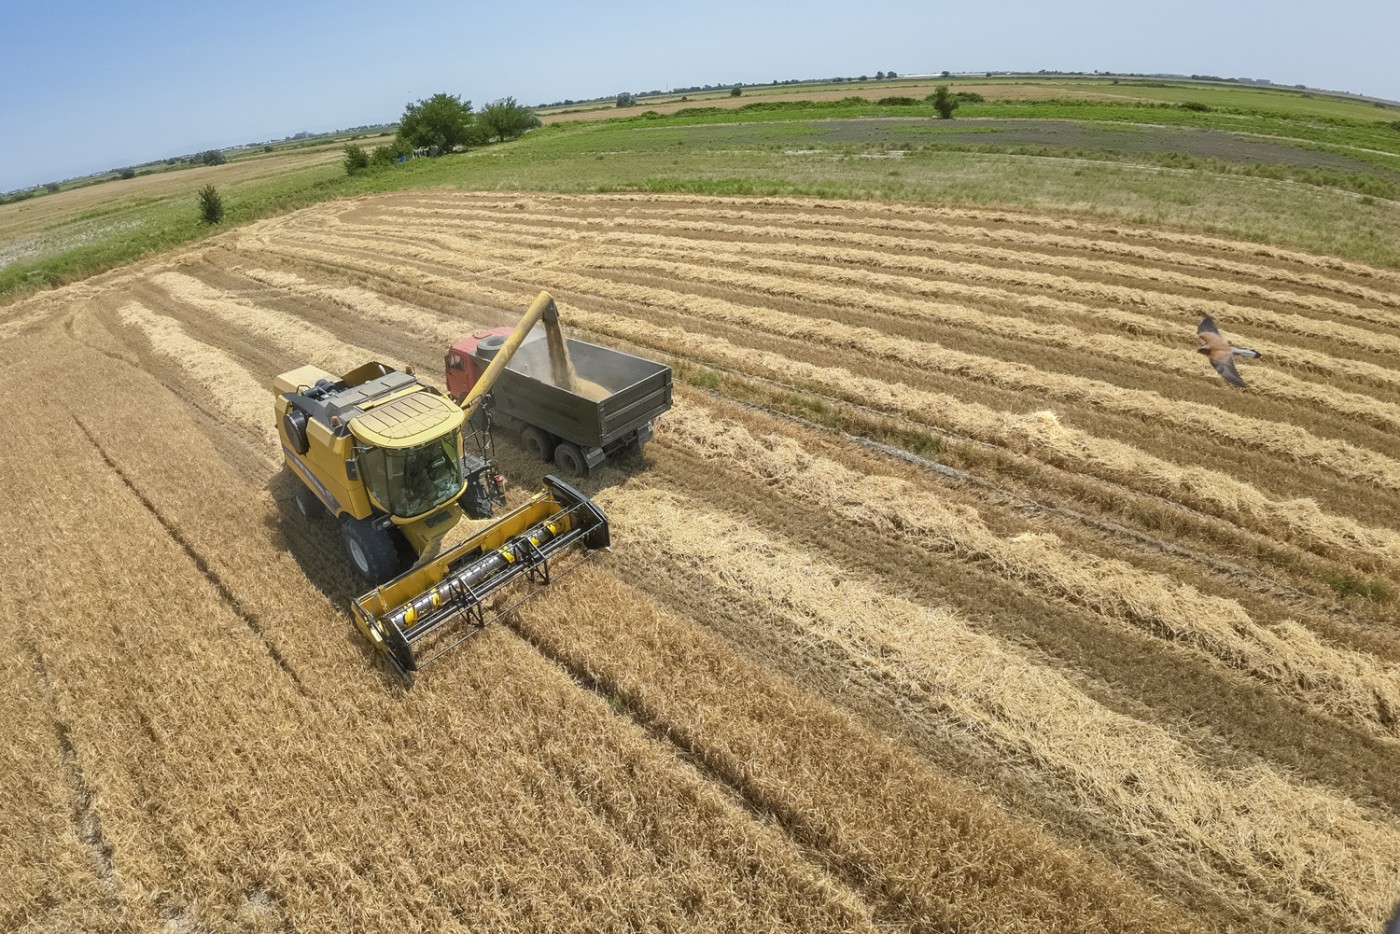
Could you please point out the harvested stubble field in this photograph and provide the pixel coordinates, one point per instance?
(956, 593)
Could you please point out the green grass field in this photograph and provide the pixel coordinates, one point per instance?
(1296, 169)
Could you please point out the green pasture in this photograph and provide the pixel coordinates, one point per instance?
(1320, 174)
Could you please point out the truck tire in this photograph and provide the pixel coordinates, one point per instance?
(568, 457)
(537, 442)
(308, 505)
(373, 551)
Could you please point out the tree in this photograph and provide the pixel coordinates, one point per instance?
(437, 125)
(212, 157)
(127, 172)
(879, 76)
(356, 159)
(626, 99)
(211, 205)
(505, 119)
(735, 91)
(890, 74)
(943, 102)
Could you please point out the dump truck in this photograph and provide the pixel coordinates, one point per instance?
(578, 407)
(398, 464)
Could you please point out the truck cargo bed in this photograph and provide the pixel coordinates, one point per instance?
(616, 393)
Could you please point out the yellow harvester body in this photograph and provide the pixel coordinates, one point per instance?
(395, 461)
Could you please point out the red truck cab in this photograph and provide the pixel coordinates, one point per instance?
(462, 368)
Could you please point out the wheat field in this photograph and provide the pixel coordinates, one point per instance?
(955, 593)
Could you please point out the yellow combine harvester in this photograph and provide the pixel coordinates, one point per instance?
(398, 463)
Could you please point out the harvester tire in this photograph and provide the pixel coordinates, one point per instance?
(537, 442)
(308, 505)
(373, 551)
(568, 457)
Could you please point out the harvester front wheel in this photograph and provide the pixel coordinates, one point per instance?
(537, 443)
(373, 551)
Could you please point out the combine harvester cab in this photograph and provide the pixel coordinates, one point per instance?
(398, 464)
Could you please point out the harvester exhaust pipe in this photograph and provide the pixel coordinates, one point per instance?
(453, 587)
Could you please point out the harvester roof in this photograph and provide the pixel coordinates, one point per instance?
(407, 420)
(380, 406)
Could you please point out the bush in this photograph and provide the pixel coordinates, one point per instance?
(1197, 106)
(626, 99)
(735, 91)
(212, 157)
(127, 172)
(356, 159)
(211, 205)
(1395, 125)
(390, 153)
(969, 97)
(896, 102)
(943, 102)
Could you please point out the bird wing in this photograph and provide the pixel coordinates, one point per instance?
(1207, 326)
(1225, 366)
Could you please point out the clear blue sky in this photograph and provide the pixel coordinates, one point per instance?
(93, 86)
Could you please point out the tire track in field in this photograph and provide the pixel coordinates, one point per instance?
(85, 816)
(733, 787)
(226, 594)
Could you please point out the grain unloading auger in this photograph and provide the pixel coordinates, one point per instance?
(398, 463)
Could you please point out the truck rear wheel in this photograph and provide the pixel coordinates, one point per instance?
(568, 457)
(537, 442)
(373, 551)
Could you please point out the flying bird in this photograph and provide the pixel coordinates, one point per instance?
(1221, 352)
